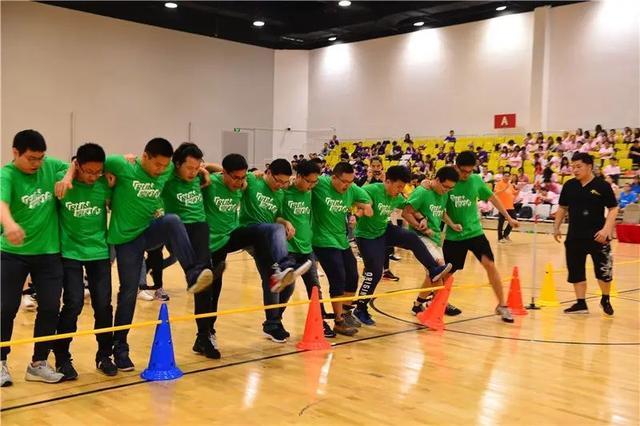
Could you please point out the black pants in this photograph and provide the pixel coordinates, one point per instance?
(46, 275)
(155, 263)
(99, 279)
(341, 269)
(501, 221)
(576, 252)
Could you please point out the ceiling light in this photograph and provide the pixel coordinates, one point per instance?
(501, 8)
(258, 23)
(418, 24)
(170, 5)
(333, 38)
(344, 3)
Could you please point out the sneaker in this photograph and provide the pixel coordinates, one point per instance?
(505, 313)
(5, 376)
(161, 295)
(202, 282)
(577, 308)
(341, 327)
(350, 320)
(438, 272)
(418, 307)
(146, 295)
(508, 240)
(302, 269)
(502, 241)
(388, 275)
(362, 315)
(451, 310)
(67, 370)
(106, 366)
(328, 331)
(394, 257)
(207, 346)
(40, 371)
(278, 335)
(606, 307)
(284, 331)
(87, 293)
(29, 302)
(123, 362)
(280, 279)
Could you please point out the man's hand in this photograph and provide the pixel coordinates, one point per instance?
(205, 177)
(14, 233)
(456, 227)
(422, 226)
(289, 229)
(111, 179)
(367, 210)
(602, 236)
(62, 186)
(513, 222)
(557, 235)
(131, 158)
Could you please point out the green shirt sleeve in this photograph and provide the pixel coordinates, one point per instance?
(484, 192)
(415, 200)
(5, 185)
(115, 164)
(58, 165)
(360, 195)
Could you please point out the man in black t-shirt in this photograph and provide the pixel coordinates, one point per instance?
(585, 199)
(634, 153)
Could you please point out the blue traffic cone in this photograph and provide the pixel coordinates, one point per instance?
(162, 363)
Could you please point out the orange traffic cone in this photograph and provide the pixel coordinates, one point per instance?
(313, 339)
(433, 316)
(514, 301)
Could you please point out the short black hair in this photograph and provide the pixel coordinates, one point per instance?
(306, 168)
(159, 146)
(186, 149)
(342, 168)
(466, 158)
(584, 157)
(317, 160)
(234, 162)
(280, 166)
(29, 140)
(447, 173)
(396, 173)
(375, 159)
(90, 152)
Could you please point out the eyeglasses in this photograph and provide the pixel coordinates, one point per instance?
(285, 182)
(448, 187)
(91, 172)
(346, 182)
(310, 182)
(237, 178)
(34, 160)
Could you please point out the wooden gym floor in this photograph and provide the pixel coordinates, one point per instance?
(547, 368)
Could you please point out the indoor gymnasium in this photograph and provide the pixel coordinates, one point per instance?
(437, 201)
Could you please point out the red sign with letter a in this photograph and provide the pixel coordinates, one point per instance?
(504, 121)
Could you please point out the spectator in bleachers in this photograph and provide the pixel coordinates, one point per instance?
(565, 169)
(441, 154)
(636, 133)
(344, 155)
(614, 187)
(528, 139)
(584, 146)
(506, 193)
(451, 137)
(606, 151)
(546, 196)
(612, 137)
(407, 138)
(483, 156)
(396, 151)
(579, 135)
(627, 135)
(451, 156)
(635, 185)
(627, 196)
(487, 176)
(515, 159)
(612, 170)
(634, 153)
(522, 177)
(504, 153)
(554, 160)
(569, 144)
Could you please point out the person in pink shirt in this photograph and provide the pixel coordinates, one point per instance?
(579, 135)
(613, 137)
(522, 177)
(606, 151)
(515, 160)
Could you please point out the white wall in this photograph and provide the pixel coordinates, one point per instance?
(425, 82)
(290, 102)
(126, 82)
(595, 65)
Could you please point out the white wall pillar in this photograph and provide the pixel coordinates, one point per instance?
(539, 96)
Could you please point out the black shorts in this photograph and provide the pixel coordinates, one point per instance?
(576, 252)
(455, 252)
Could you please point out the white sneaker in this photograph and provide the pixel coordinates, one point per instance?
(502, 241)
(146, 295)
(40, 371)
(29, 303)
(5, 376)
(505, 313)
(302, 269)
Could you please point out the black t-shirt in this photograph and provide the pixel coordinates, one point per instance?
(586, 206)
(635, 159)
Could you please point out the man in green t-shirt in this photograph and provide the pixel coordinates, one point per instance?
(83, 234)
(137, 223)
(464, 231)
(374, 234)
(30, 244)
(331, 200)
(424, 211)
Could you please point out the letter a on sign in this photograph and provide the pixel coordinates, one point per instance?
(504, 121)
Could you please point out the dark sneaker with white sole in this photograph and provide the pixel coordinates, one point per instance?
(438, 272)
(362, 315)
(606, 307)
(66, 369)
(577, 308)
(106, 366)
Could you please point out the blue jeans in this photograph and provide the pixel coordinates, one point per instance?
(168, 230)
(99, 279)
(373, 253)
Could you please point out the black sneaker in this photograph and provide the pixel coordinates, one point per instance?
(388, 275)
(417, 308)
(278, 335)
(106, 366)
(451, 311)
(438, 272)
(394, 257)
(328, 331)
(284, 331)
(207, 346)
(66, 369)
(577, 308)
(606, 307)
(123, 362)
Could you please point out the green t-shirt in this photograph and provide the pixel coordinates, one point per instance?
(31, 200)
(259, 203)
(184, 199)
(383, 205)
(296, 208)
(221, 207)
(330, 210)
(432, 206)
(135, 199)
(83, 221)
(462, 207)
